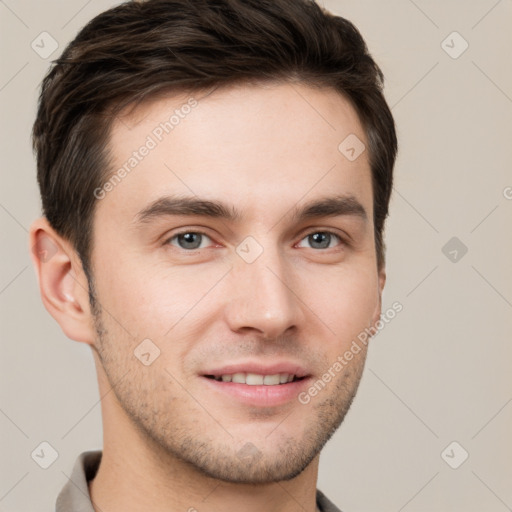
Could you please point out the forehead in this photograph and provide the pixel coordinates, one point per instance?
(255, 147)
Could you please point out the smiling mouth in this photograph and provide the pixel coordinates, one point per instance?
(255, 379)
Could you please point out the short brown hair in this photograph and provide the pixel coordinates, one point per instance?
(139, 49)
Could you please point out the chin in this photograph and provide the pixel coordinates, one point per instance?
(264, 470)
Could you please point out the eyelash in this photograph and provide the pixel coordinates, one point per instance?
(202, 233)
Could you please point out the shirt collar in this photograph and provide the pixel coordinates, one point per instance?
(75, 494)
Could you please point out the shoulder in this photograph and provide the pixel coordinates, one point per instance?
(324, 504)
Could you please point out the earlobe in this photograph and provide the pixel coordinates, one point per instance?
(62, 281)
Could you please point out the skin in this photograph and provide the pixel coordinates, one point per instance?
(170, 442)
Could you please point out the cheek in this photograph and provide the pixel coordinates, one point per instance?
(150, 299)
(346, 302)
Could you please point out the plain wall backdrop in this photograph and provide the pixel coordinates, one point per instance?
(437, 385)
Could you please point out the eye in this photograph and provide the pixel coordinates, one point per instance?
(321, 239)
(189, 240)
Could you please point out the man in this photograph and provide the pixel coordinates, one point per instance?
(215, 178)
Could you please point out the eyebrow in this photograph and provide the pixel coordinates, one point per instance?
(194, 206)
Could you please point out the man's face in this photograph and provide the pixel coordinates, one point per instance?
(268, 292)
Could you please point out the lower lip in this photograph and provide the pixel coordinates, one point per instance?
(260, 395)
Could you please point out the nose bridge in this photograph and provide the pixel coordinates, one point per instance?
(263, 297)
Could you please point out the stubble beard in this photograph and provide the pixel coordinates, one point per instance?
(171, 439)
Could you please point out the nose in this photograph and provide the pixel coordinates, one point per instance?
(265, 297)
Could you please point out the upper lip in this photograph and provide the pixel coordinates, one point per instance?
(259, 368)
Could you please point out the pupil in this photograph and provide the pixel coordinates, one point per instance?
(322, 239)
(190, 240)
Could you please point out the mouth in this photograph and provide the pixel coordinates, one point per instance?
(257, 386)
(256, 379)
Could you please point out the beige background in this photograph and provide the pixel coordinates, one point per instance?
(439, 372)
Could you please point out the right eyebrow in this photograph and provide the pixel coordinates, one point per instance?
(170, 205)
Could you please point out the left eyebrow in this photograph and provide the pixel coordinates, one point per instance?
(330, 207)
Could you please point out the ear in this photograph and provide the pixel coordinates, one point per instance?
(380, 288)
(62, 282)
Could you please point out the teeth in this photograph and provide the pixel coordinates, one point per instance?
(239, 378)
(271, 380)
(255, 379)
